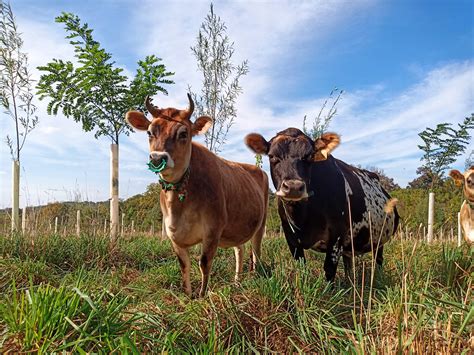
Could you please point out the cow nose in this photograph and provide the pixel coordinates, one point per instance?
(294, 187)
(157, 158)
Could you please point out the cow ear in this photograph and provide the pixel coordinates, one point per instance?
(257, 143)
(324, 145)
(201, 125)
(457, 177)
(137, 120)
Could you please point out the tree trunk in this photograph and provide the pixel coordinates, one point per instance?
(114, 192)
(15, 195)
(430, 217)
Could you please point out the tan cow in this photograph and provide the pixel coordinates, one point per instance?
(467, 207)
(204, 198)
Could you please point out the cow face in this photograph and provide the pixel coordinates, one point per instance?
(169, 135)
(466, 179)
(291, 154)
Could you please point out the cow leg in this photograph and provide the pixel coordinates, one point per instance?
(296, 251)
(185, 264)
(239, 261)
(209, 249)
(378, 255)
(347, 266)
(256, 246)
(331, 261)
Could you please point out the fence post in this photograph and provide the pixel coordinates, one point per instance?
(133, 226)
(430, 216)
(56, 225)
(459, 229)
(23, 221)
(105, 226)
(78, 223)
(121, 227)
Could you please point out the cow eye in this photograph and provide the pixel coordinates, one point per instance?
(183, 135)
(149, 134)
(274, 159)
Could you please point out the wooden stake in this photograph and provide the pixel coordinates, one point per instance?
(78, 223)
(430, 216)
(23, 221)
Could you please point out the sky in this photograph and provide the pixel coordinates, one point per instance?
(403, 65)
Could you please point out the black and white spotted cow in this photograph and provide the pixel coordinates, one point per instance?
(319, 197)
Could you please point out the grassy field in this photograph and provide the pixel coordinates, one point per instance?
(74, 294)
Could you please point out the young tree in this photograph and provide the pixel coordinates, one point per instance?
(424, 180)
(97, 94)
(221, 79)
(442, 146)
(16, 96)
(321, 121)
(470, 160)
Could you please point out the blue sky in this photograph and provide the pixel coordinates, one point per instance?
(404, 65)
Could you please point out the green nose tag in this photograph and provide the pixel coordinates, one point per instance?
(157, 169)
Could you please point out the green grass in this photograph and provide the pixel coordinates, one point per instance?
(75, 294)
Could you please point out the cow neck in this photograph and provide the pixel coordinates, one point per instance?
(179, 186)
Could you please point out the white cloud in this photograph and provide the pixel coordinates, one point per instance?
(383, 135)
(377, 128)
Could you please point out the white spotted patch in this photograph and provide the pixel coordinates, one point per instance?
(336, 251)
(379, 223)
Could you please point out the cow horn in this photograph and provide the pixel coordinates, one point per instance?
(190, 109)
(155, 111)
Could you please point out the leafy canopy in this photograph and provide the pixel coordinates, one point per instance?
(95, 92)
(442, 145)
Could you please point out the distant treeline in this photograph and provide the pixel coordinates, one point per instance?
(142, 212)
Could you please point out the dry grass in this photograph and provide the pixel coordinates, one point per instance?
(74, 294)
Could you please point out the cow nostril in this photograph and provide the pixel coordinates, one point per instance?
(300, 188)
(285, 187)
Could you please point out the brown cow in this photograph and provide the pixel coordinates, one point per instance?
(204, 198)
(467, 207)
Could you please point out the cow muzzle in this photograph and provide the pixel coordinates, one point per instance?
(292, 190)
(157, 157)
